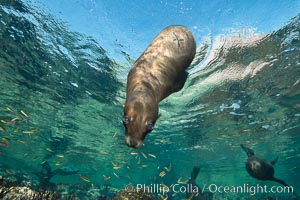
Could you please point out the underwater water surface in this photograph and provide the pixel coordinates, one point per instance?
(62, 93)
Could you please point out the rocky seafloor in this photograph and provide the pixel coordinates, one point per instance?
(13, 189)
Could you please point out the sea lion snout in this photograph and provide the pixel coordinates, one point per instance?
(133, 143)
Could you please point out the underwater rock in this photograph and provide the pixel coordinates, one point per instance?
(133, 195)
(95, 194)
(18, 193)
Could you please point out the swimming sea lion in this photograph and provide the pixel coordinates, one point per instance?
(261, 169)
(157, 73)
(46, 173)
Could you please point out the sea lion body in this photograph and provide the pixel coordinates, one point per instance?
(259, 168)
(157, 73)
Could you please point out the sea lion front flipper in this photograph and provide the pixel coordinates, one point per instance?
(195, 172)
(249, 152)
(273, 162)
(180, 81)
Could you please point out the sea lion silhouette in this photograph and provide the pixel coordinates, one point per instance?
(46, 173)
(192, 183)
(157, 73)
(261, 169)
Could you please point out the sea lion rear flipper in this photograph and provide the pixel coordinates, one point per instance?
(180, 81)
(279, 181)
(273, 162)
(249, 152)
(285, 184)
(195, 172)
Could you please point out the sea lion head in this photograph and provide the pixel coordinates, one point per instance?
(139, 119)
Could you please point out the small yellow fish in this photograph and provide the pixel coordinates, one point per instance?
(162, 173)
(30, 131)
(104, 152)
(10, 110)
(8, 122)
(174, 194)
(169, 168)
(3, 144)
(16, 130)
(144, 166)
(134, 153)
(48, 149)
(106, 178)
(164, 187)
(144, 155)
(15, 119)
(8, 171)
(84, 178)
(35, 158)
(3, 129)
(116, 166)
(6, 139)
(116, 175)
(60, 155)
(22, 141)
(58, 163)
(152, 155)
(180, 181)
(163, 197)
(24, 113)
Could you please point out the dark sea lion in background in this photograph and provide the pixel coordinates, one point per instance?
(261, 169)
(192, 183)
(46, 173)
(157, 73)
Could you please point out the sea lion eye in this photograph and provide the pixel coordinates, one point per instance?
(125, 119)
(150, 127)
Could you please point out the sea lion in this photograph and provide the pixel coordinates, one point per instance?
(157, 73)
(261, 169)
(46, 174)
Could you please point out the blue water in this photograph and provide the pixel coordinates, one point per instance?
(63, 80)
